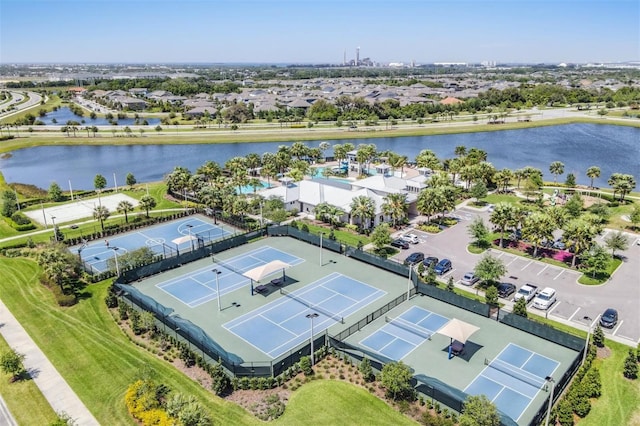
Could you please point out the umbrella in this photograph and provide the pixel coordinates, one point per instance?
(458, 330)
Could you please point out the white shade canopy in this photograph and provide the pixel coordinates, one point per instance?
(185, 239)
(458, 330)
(262, 271)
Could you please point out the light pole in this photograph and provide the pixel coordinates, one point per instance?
(115, 256)
(409, 282)
(586, 347)
(311, 316)
(321, 234)
(215, 271)
(190, 237)
(55, 230)
(553, 382)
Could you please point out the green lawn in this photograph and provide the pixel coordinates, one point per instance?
(600, 277)
(90, 351)
(346, 237)
(620, 400)
(328, 402)
(24, 399)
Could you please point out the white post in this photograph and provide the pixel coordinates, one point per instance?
(70, 190)
(115, 256)
(55, 231)
(321, 234)
(215, 271)
(586, 348)
(311, 316)
(553, 382)
(190, 237)
(115, 182)
(44, 215)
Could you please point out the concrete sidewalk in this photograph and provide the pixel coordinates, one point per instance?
(5, 415)
(52, 385)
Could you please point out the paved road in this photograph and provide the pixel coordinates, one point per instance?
(578, 305)
(52, 385)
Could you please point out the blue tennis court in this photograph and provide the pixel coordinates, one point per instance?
(166, 239)
(199, 287)
(513, 379)
(401, 335)
(281, 325)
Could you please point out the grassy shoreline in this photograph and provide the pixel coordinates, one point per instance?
(247, 135)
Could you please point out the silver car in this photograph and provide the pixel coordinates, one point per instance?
(469, 279)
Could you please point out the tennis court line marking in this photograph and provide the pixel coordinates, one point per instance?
(296, 336)
(395, 339)
(182, 301)
(507, 386)
(535, 353)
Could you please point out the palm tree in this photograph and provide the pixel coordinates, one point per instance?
(323, 147)
(147, 203)
(396, 207)
(125, 207)
(101, 213)
(503, 215)
(593, 172)
(581, 233)
(537, 227)
(299, 150)
(556, 168)
(210, 170)
(364, 208)
(427, 158)
(429, 202)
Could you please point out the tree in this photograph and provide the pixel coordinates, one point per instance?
(450, 284)
(55, 193)
(366, 370)
(479, 190)
(593, 172)
(622, 184)
(478, 231)
(490, 269)
(9, 203)
(503, 215)
(634, 217)
(99, 182)
(616, 241)
(381, 236)
(363, 207)
(130, 180)
(598, 337)
(520, 307)
(596, 259)
(581, 234)
(11, 362)
(537, 227)
(125, 207)
(396, 380)
(571, 180)
(575, 205)
(101, 213)
(630, 366)
(479, 411)
(556, 168)
(396, 207)
(147, 203)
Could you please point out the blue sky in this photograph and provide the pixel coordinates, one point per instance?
(305, 31)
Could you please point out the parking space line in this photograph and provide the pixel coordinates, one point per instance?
(558, 276)
(500, 255)
(543, 269)
(574, 314)
(514, 259)
(554, 306)
(525, 266)
(617, 328)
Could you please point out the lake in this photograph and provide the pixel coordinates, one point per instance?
(578, 146)
(60, 117)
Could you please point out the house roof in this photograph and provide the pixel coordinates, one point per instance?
(450, 100)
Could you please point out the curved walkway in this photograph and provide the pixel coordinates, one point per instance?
(52, 385)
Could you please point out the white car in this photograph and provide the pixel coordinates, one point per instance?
(410, 238)
(545, 299)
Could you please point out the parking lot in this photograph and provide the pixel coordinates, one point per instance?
(578, 305)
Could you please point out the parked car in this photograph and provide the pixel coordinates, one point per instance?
(410, 238)
(506, 289)
(414, 258)
(430, 262)
(527, 291)
(558, 244)
(609, 318)
(469, 279)
(491, 208)
(545, 299)
(443, 267)
(401, 244)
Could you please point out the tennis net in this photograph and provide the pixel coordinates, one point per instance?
(518, 373)
(409, 326)
(229, 267)
(310, 305)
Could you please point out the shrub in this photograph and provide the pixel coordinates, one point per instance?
(631, 366)
(305, 366)
(219, 380)
(20, 218)
(366, 370)
(598, 337)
